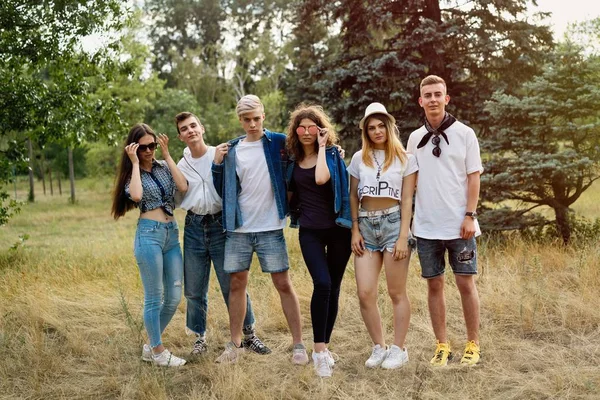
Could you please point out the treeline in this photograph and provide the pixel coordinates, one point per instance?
(533, 102)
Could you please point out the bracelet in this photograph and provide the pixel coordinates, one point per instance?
(354, 219)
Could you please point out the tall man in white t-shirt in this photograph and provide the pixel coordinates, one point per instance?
(204, 238)
(249, 174)
(447, 152)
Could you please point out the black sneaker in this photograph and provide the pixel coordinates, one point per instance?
(256, 345)
(200, 347)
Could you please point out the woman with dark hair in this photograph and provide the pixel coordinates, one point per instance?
(150, 185)
(319, 202)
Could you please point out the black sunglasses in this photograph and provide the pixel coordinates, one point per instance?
(143, 147)
(436, 142)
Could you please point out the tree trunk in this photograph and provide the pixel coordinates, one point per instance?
(31, 197)
(563, 224)
(71, 174)
(43, 171)
(59, 183)
(50, 178)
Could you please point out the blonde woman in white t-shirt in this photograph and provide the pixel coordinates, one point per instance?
(382, 182)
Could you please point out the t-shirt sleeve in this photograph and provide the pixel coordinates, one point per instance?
(411, 146)
(473, 159)
(353, 168)
(411, 165)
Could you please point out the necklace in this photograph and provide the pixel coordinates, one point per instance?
(378, 166)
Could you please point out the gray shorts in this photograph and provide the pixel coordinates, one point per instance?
(269, 247)
(462, 255)
(380, 229)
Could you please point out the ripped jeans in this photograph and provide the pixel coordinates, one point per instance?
(462, 256)
(159, 260)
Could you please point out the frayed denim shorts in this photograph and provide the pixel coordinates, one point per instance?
(380, 229)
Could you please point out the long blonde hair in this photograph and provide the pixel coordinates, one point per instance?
(393, 146)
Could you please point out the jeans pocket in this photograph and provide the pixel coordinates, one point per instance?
(148, 229)
(394, 217)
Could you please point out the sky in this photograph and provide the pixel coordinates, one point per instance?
(568, 11)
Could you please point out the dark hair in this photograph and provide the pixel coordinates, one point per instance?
(316, 114)
(121, 203)
(182, 116)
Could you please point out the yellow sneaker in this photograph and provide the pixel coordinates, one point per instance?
(442, 355)
(472, 354)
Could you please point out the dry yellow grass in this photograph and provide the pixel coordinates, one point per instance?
(71, 326)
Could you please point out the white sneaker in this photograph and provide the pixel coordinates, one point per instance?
(332, 358)
(231, 354)
(299, 356)
(321, 361)
(166, 359)
(377, 356)
(396, 358)
(146, 353)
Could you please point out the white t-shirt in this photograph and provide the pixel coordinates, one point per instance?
(256, 199)
(441, 198)
(201, 196)
(390, 180)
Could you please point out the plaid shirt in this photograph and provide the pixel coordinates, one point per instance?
(158, 188)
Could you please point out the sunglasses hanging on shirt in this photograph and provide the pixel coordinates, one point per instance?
(437, 151)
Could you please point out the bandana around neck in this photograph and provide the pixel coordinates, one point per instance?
(448, 120)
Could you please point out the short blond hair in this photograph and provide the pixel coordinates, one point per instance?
(432, 80)
(249, 103)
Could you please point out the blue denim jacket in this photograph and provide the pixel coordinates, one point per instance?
(228, 185)
(339, 184)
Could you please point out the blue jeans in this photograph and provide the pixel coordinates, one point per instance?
(158, 255)
(203, 242)
(269, 247)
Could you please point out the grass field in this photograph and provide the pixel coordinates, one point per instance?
(71, 321)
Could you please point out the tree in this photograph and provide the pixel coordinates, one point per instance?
(44, 85)
(181, 25)
(544, 143)
(387, 47)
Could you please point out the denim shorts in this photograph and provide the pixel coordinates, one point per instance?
(380, 229)
(269, 247)
(462, 255)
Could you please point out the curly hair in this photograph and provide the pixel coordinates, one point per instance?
(316, 114)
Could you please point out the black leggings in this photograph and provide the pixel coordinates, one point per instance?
(326, 253)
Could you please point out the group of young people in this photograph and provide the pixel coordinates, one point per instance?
(239, 194)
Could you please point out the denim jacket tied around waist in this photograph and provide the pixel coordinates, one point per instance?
(339, 184)
(228, 184)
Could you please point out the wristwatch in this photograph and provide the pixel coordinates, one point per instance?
(471, 214)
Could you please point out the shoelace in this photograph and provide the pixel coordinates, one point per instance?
(200, 345)
(322, 363)
(439, 352)
(255, 343)
(470, 350)
(333, 355)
